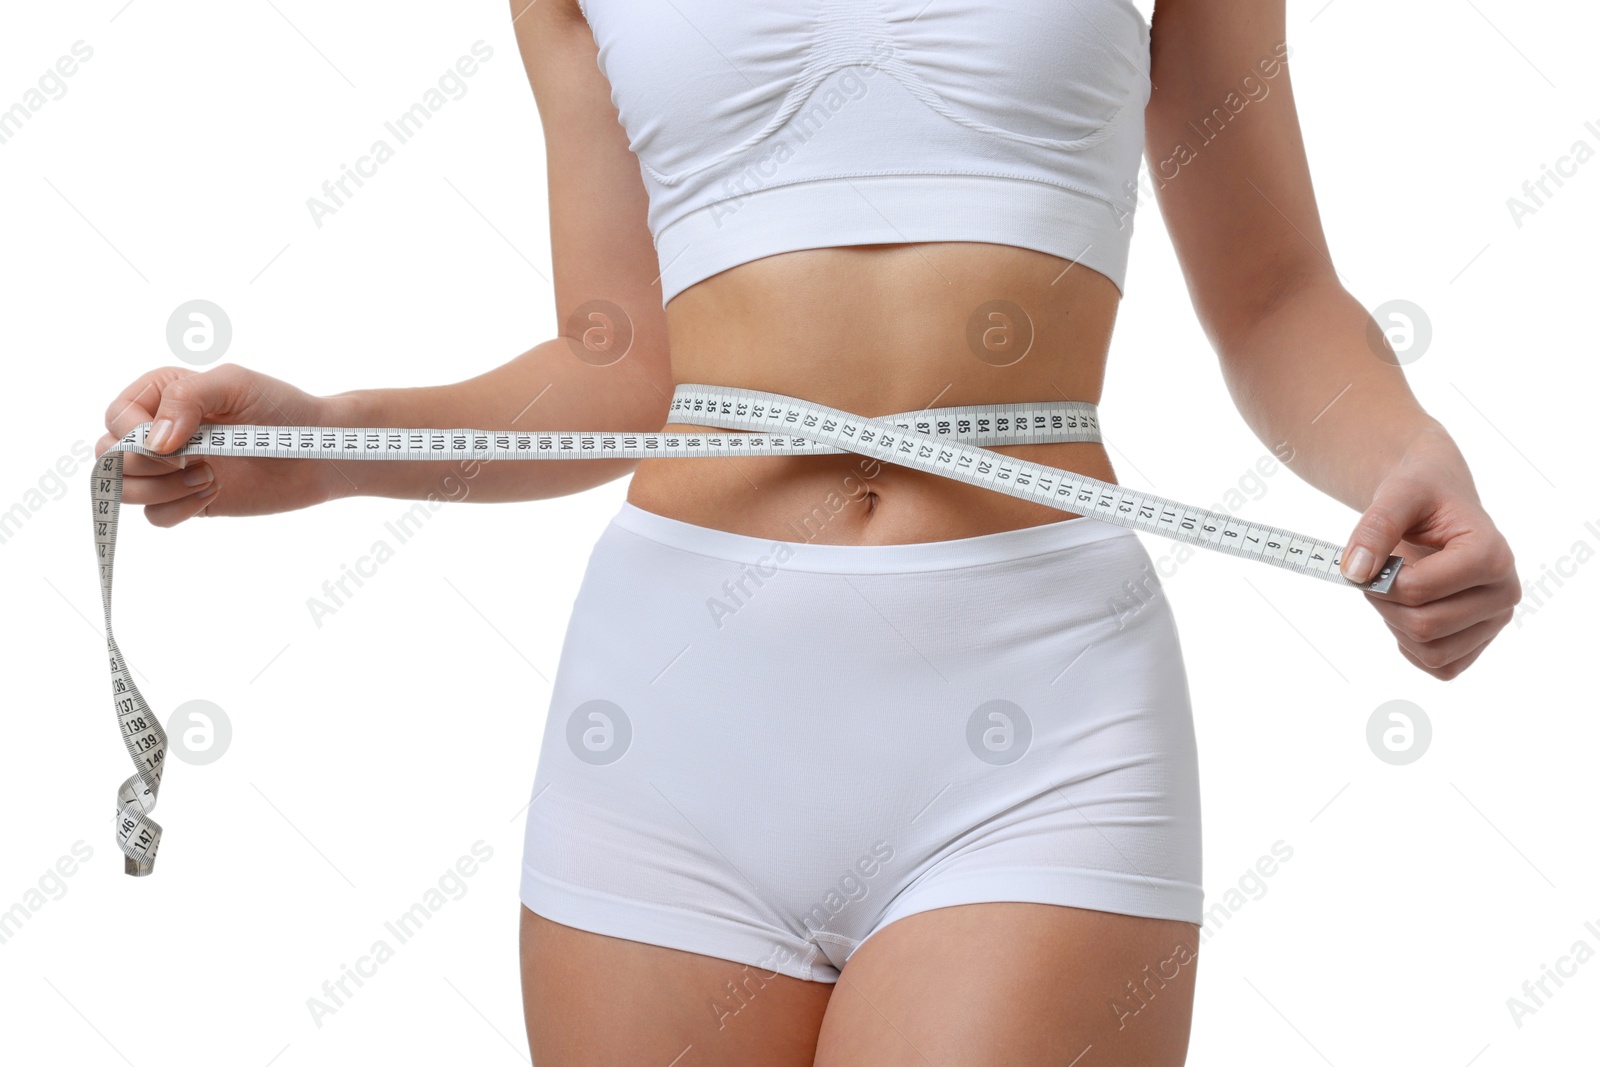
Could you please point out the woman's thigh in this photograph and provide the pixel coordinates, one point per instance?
(1024, 985)
(594, 1000)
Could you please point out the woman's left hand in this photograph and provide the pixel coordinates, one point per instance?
(1459, 583)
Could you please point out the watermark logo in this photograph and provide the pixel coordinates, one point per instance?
(1206, 129)
(52, 85)
(451, 85)
(1537, 193)
(1536, 592)
(199, 732)
(999, 732)
(830, 99)
(451, 885)
(1249, 886)
(337, 593)
(1139, 593)
(599, 332)
(48, 487)
(51, 885)
(1136, 994)
(1399, 332)
(1399, 732)
(599, 732)
(199, 332)
(1000, 333)
(851, 887)
(1565, 967)
(1139, 993)
(737, 592)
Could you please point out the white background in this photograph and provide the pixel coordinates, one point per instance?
(372, 752)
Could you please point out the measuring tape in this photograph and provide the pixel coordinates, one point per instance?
(947, 441)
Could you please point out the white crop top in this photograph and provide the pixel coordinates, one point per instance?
(766, 126)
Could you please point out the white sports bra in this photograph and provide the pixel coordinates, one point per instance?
(766, 126)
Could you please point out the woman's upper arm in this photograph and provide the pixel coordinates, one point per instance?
(600, 239)
(1224, 151)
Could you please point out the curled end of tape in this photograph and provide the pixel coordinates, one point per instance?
(1384, 579)
(137, 868)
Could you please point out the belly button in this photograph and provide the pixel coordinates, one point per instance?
(872, 502)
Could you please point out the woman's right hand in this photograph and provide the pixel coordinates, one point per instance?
(180, 399)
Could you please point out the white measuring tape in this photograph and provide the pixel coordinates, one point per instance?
(945, 441)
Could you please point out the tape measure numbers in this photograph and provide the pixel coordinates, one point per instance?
(948, 441)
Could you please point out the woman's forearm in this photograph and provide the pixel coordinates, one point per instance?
(1306, 373)
(546, 388)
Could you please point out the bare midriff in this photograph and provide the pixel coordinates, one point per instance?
(876, 330)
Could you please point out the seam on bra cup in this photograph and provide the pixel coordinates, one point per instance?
(823, 61)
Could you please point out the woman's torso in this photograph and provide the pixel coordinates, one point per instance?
(868, 205)
(875, 330)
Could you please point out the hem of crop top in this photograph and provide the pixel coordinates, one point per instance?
(894, 209)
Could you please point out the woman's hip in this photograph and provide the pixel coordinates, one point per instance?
(716, 679)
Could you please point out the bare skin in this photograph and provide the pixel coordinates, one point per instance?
(978, 984)
(879, 329)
